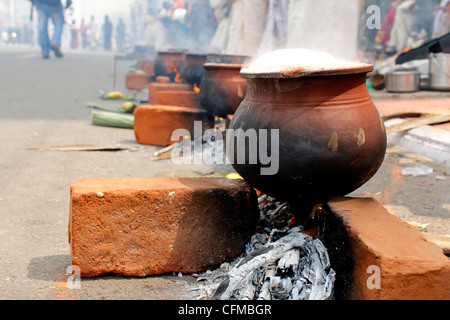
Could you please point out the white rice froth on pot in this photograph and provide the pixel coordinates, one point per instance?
(297, 60)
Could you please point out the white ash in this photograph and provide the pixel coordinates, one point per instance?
(210, 148)
(282, 264)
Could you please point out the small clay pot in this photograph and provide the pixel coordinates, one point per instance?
(192, 70)
(378, 82)
(222, 89)
(332, 139)
(168, 63)
(146, 65)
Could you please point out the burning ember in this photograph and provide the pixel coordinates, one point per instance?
(177, 78)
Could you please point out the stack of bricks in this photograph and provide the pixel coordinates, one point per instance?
(140, 79)
(171, 106)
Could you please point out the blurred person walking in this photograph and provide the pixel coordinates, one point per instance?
(400, 37)
(222, 10)
(50, 9)
(442, 20)
(121, 35)
(384, 34)
(92, 33)
(275, 33)
(202, 24)
(176, 4)
(84, 33)
(74, 40)
(107, 33)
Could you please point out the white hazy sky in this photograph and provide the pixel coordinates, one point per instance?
(83, 9)
(100, 8)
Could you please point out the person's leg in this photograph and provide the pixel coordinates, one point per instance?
(57, 17)
(44, 40)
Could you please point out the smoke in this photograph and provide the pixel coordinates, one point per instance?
(99, 8)
(326, 26)
(320, 25)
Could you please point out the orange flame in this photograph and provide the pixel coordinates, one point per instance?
(178, 76)
(196, 88)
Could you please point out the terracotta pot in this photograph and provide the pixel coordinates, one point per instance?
(222, 89)
(192, 70)
(331, 137)
(168, 63)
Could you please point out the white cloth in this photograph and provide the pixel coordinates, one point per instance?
(442, 21)
(400, 33)
(220, 39)
(275, 33)
(324, 25)
(247, 24)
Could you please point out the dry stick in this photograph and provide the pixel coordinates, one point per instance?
(169, 148)
(166, 157)
(78, 148)
(165, 150)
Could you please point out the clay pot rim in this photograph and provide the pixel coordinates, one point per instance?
(360, 68)
(227, 58)
(211, 65)
(183, 53)
(196, 54)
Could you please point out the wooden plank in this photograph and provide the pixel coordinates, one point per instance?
(419, 122)
(413, 114)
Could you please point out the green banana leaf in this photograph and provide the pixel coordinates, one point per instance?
(110, 119)
(109, 107)
(105, 107)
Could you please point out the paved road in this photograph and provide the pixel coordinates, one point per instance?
(42, 104)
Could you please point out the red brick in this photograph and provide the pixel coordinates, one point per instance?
(162, 79)
(360, 233)
(154, 125)
(137, 81)
(187, 99)
(153, 88)
(150, 226)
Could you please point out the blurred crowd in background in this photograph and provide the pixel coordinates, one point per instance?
(250, 27)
